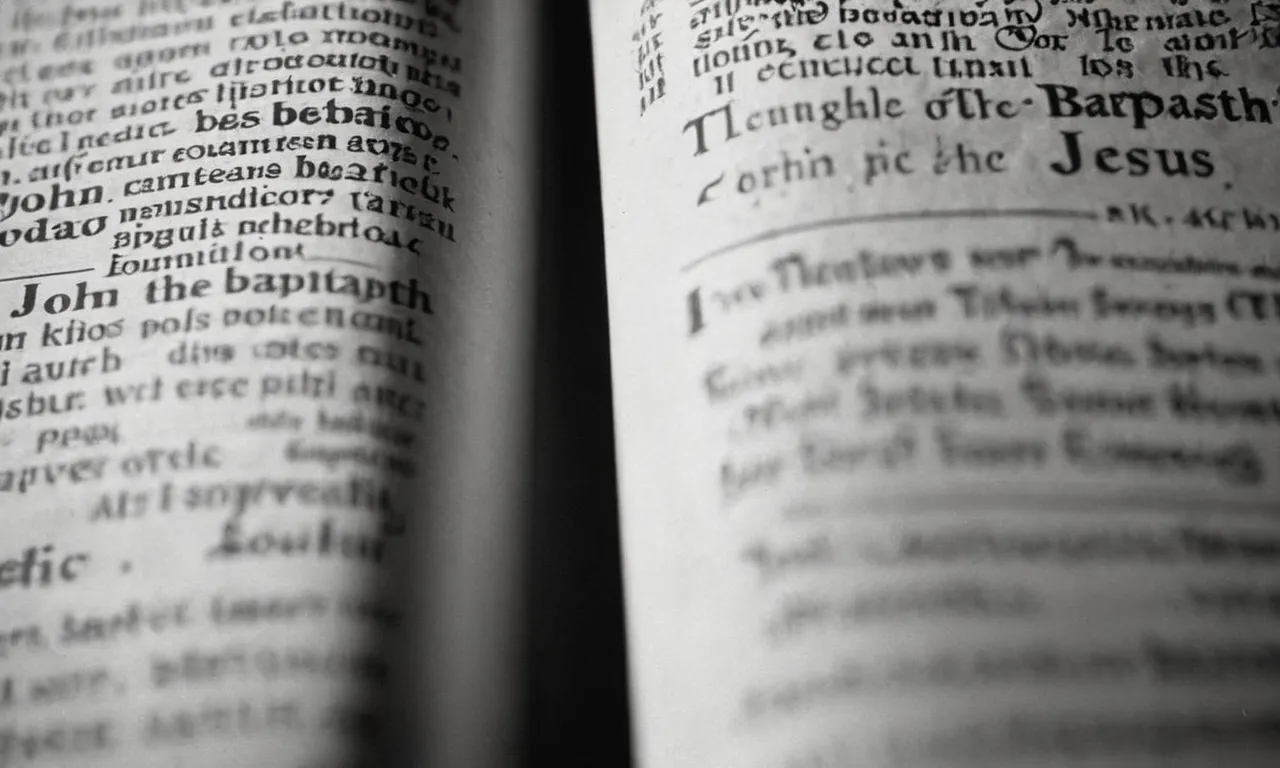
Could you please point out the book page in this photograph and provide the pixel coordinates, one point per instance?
(264, 301)
(945, 359)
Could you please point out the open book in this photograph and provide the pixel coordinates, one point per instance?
(943, 349)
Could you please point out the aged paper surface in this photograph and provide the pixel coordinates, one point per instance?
(945, 365)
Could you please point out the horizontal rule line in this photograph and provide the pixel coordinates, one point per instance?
(340, 260)
(44, 274)
(890, 218)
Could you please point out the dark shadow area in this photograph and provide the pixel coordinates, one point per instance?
(570, 641)
(578, 713)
